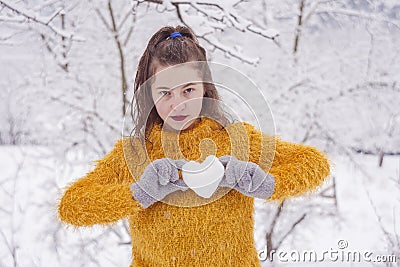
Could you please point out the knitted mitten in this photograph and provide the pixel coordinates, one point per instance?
(159, 179)
(246, 177)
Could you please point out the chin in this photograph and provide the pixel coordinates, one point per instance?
(174, 127)
(180, 126)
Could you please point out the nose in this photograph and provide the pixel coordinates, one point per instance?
(178, 103)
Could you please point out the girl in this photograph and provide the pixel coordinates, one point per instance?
(178, 215)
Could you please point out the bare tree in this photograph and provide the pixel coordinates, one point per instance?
(120, 28)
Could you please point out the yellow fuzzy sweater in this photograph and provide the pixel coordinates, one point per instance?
(216, 232)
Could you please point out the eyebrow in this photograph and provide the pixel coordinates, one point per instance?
(164, 87)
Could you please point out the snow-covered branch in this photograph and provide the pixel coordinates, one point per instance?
(88, 112)
(229, 13)
(215, 15)
(358, 14)
(30, 16)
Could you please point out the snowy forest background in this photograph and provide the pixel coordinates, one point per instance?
(329, 69)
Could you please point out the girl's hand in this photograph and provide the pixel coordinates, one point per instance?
(246, 177)
(159, 179)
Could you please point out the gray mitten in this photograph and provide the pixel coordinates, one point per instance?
(246, 177)
(159, 179)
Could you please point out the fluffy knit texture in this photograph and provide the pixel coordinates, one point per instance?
(216, 232)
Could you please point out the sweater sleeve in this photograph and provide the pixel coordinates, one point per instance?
(102, 196)
(297, 168)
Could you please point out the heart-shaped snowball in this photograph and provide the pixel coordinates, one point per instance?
(203, 178)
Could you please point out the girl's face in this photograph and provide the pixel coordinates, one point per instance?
(178, 97)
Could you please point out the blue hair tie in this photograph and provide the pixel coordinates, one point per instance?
(174, 34)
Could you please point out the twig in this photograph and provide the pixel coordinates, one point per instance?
(38, 20)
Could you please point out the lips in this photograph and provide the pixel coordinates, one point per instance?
(178, 118)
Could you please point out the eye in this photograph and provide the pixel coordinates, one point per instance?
(189, 90)
(163, 93)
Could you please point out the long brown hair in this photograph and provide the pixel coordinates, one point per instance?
(164, 51)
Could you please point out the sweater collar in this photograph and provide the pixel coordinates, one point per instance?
(184, 144)
(202, 128)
